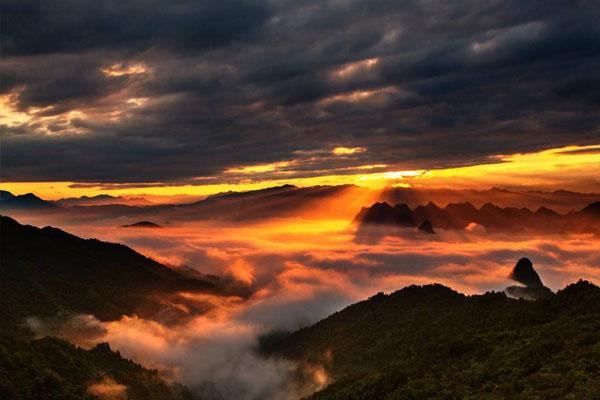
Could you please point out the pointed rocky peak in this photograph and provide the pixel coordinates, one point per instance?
(524, 273)
(381, 206)
(379, 213)
(432, 205)
(487, 207)
(533, 288)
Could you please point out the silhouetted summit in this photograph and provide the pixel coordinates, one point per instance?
(23, 201)
(142, 224)
(384, 214)
(490, 216)
(524, 273)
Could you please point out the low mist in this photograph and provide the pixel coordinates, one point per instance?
(292, 273)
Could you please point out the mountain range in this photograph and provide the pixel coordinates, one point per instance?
(493, 218)
(280, 201)
(101, 199)
(431, 342)
(52, 275)
(46, 271)
(24, 201)
(288, 200)
(421, 342)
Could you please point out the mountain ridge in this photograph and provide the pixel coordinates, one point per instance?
(71, 274)
(431, 342)
(458, 216)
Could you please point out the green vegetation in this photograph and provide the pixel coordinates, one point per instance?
(426, 342)
(52, 369)
(49, 273)
(433, 343)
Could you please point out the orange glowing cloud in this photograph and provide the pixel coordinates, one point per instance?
(353, 68)
(261, 168)
(344, 151)
(9, 115)
(108, 389)
(359, 96)
(121, 69)
(571, 167)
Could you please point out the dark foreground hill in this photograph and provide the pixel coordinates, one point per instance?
(48, 271)
(431, 342)
(51, 369)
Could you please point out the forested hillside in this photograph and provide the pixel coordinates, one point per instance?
(50, 273)
(53, 369)
(431, 342)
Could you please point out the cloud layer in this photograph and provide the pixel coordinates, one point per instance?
(148, 91)
(294, 272)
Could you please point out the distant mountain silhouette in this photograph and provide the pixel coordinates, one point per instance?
(101, 200)
(316, 202)
(83, 200)
(426, 227)
(286, 200)
(24, 201)
(6, 195)
(383, 213)
(48, 271)
(430, 342)
(491, 217)
(281, 201)
(142, 224)
(559, 200)
(592, 210)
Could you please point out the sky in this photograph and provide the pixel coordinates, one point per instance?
(191, 98)
(199, 97)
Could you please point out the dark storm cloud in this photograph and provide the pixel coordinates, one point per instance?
(42, 27)
(238, 82)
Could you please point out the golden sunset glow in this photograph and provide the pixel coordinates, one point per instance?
(549, 168)
(9, 115)
(343, 151)
(350, 69)
(122, 69)
(359, 96)
(255, 169)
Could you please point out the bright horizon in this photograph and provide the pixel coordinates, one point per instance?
(567, 168)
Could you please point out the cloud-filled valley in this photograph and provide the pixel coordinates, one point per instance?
(284, 273)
